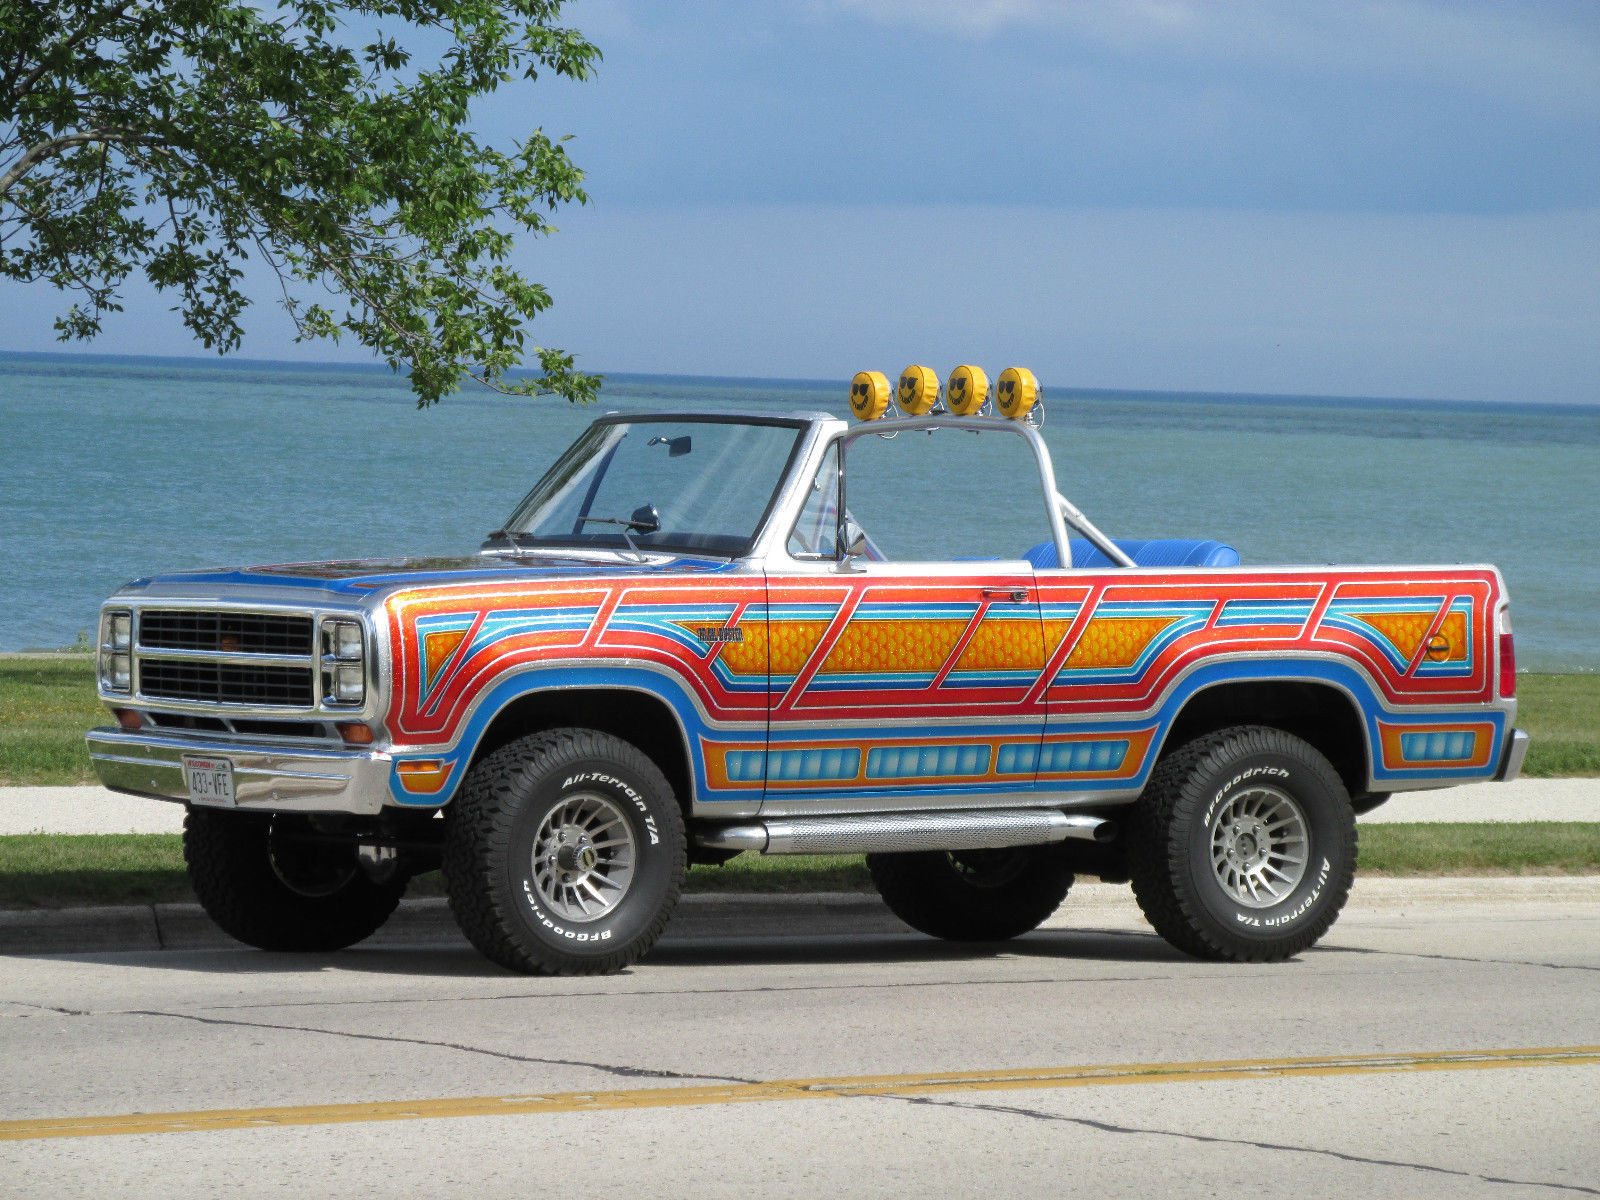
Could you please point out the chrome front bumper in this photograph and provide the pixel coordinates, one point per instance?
(1516, 751)
(266, 778)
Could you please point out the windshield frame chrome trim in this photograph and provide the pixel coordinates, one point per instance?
(804, 425)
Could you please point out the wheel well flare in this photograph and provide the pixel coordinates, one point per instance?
(644, 720)
(1315, 712)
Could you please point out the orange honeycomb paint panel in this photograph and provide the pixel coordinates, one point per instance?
(892, 647)
(1055, 633)
(1003, 646)
(1405, 630)
(789, 643)
(1115, 642)
(1454, 631)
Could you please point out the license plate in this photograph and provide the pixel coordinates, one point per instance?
(210, 780)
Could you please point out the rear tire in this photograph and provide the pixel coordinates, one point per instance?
(972, 895)
(269, 890)
(564, 854)
(1243, 846)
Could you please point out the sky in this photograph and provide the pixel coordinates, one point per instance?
(1366, 197)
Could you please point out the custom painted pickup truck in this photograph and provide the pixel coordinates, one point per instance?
(708, 634)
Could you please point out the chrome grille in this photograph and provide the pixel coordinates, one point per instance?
(227, 682)
(225, 632)
(227, 658)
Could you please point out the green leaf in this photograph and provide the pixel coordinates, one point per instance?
(179, 139)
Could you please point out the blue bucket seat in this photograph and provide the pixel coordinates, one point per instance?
(1156, 552)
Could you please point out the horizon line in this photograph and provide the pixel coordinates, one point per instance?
(239, 363)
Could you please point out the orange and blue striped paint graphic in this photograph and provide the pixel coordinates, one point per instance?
(756, 659)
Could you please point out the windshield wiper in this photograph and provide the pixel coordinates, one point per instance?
(645, 519)
(504, 537)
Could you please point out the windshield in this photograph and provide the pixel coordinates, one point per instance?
(697, 487)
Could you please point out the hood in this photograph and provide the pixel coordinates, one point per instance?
(357, 578)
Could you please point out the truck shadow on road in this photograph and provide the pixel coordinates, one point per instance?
(451, 958)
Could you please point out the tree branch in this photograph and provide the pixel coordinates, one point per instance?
(57, 145)
(91, 27)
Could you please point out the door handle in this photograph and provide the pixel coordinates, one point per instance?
(1015, 595)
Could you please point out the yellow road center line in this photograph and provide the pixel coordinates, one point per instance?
(1019, 1079)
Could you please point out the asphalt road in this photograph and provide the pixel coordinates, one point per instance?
(1454, 1028)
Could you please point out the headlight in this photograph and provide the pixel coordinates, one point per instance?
(115, 654)
(344, 662)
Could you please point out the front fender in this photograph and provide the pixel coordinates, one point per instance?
(429, 776)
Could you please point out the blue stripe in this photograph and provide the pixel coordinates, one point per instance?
(1265, 612)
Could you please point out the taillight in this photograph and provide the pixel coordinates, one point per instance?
(1508, 667)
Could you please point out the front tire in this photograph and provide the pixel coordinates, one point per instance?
(564, 854)
(1243, 846)
(269, 888)
(972, 895)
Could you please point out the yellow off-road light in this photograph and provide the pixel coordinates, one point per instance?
(966, 390)
(869, 395)
(1015, 393)
(918, 391)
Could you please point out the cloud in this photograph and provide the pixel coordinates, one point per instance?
(1547, 55)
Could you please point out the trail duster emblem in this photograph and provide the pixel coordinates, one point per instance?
(717, 633)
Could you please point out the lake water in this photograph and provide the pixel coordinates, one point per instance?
(116, 467)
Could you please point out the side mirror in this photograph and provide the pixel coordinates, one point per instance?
(852, 543)
(676, 447)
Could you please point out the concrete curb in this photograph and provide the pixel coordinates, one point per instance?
(93, 809)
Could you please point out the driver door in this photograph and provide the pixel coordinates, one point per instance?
(906, 677)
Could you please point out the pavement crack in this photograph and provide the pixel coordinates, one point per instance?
(764, 990)
(51, 1008)
(620, 1072)
(1469, 958)
(1036, 1114)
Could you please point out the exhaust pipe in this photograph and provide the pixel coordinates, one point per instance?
(899, 833)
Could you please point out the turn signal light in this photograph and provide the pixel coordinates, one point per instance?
(355, 733)
(128, 719)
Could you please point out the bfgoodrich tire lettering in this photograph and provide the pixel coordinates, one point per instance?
(564, 854)
(1243, 846)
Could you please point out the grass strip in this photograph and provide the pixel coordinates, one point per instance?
(1480, 848)
(1562, 715)
(58, 871)
(46, 706)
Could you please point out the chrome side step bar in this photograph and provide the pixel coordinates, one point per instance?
(893, 833)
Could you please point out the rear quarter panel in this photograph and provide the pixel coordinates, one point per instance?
(1142, 644)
